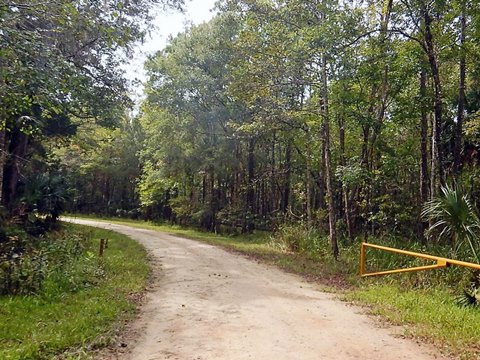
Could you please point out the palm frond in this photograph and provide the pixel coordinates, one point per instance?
(454, 219)
(469, 298)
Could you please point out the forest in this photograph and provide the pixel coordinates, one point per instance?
(359, 119)
(285, 131)
(60, 80)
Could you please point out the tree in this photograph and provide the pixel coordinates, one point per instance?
(101, 167)
(187, 97)
(59, 61)
(345, 117)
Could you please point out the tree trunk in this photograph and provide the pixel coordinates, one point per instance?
(378, 92)
(381, 99)
(343, 162)
(461, 98)
(17, 151)
(286, 183)
(213, 201)
(3, 158)
(423, 139)
(321, 178)
(204, 188)
(328, 161)
(272, 200)
(424, 185)
(248, 224)
(308, 182)
(437, 173)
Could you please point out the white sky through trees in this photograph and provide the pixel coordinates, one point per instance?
(168, 23)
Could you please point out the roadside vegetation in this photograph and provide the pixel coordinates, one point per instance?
(60, 71)
(67, 301)
(322, 123)
(429, 303)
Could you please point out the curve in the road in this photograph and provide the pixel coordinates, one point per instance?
(210, 304)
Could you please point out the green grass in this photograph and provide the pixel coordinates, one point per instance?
(80, 309)
(431, 314)
(424, 302)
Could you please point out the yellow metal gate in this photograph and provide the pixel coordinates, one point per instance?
(440, 261)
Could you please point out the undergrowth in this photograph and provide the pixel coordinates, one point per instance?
(80, 299)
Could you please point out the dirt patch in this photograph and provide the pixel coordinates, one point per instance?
(336, 281)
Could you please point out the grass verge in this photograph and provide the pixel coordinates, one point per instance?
(424, 302)
(431, 314)
(80, 307)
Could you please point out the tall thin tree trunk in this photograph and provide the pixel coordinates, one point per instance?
(378, 92)
(461, 97)
(3, 157)
(343, 162)
(308, 182)
(272, 201)
(321, 178)
(328, 160)
(236, 181)
(286, 183)
(424, 185)
(248, 224)
(423, 139)
(378, 105)
(437, 172)
(17, 150)
(204, 188)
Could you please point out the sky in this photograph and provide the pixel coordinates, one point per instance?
(167, 23)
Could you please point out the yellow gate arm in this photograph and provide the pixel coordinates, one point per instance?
(441, 262)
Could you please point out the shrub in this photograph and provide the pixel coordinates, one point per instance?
(300, 238)
(471, 294)
(454, 219)
(27, 263)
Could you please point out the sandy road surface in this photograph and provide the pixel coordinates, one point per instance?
(210, 304)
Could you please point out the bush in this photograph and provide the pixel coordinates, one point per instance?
(22, 273)
(300, 238)
(455, 220)
(46, 194)
(27, 263)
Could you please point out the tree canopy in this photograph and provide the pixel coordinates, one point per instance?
(59, 72)
(345, 116)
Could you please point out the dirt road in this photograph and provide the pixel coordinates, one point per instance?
(210, 304)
